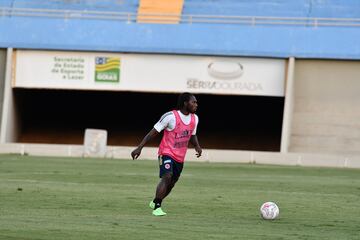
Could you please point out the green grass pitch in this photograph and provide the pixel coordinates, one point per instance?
(72, 198)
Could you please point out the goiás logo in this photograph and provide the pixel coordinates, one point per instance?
(107, 69)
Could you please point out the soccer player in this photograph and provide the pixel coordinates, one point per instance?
(179, 128)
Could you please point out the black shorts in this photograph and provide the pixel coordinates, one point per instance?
(169, 165)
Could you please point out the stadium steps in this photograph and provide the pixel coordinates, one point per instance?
(148, 9)
(326, 128)
(335, 119)
(326, 145)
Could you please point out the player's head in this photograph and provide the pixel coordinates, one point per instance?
(187, 102)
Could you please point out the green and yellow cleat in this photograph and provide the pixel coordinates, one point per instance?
(152, 205)
(158, 212)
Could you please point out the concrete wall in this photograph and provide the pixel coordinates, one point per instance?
(209, 155)
(2, 77)
(326, 107)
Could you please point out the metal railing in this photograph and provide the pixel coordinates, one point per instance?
(133, 17)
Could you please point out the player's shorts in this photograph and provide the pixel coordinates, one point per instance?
(169, 165)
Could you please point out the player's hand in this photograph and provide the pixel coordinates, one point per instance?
(198, 151)
(136, 153)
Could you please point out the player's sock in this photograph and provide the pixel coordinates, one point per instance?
(157, 202)
(152, 205)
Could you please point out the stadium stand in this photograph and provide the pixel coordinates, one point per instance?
(83, 5)
(246, 8)
(312, 37)
(310, 8)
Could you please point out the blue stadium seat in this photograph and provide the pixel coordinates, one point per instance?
(336, 9)
(246, 7)
(275, 8)
(96, 5)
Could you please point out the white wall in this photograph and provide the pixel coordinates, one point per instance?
(149, 73)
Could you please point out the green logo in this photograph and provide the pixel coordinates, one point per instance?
(107, 69)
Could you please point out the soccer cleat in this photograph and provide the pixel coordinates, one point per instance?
(158, 212)
(152, 204)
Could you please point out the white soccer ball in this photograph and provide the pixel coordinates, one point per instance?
(269, 211)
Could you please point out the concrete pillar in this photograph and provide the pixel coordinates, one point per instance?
(2, 77)
(288, 107)
(9, 123)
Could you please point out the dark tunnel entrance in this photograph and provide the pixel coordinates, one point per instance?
(226, 122)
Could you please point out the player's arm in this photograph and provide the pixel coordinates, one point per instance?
(195, 142)
(136, 153)
(158, 127)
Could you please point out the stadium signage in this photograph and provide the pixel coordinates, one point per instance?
(148, 73)
(225, 70)
(107, 69)
(68, 68)
(242, 86)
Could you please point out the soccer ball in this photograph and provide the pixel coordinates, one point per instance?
(269, 211)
